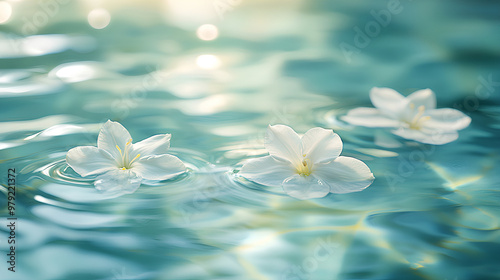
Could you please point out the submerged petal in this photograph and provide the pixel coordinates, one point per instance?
(267, 171)
(88, 160)
(388, 101)
(305, 187)
(428, 136)
(118, 182)
(369, 117)
(345, 175)
(160, 167)
(113, 134)
(423, 97)
(447, 119)
(154, 145)
(283, 143)
(320, 145)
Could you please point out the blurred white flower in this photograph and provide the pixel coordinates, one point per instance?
(415, 117)
(307, 166)
(122, 164)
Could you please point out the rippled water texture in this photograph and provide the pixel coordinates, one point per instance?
(68, 66)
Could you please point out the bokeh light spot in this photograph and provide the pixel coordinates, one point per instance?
(5, 11)
(207, 32)
(99, 18)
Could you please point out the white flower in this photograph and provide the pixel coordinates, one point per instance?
(307, 166)
(122, 164)
(414, 116)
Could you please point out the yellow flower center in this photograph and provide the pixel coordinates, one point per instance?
(419, 118)
(305, 167)
(125, 162)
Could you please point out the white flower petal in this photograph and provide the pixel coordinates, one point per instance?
(428, 136)
(154, 145)
(283, 143)
(113, 134)
(118, 182)
(320, 145)
(447, 119)
(388, 101)
(424, 97)
(305, 187)
(88, 160)
(267, 171)
(160, 167)
(344, 175)
(369, 117)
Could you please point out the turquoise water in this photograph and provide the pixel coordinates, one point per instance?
(431, 213)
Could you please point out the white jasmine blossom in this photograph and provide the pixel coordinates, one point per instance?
(309, 166)
(124, 165)
(414, 117)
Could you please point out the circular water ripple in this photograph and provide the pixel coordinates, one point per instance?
(54, 182)
(241, 182)
(56, 168)
(62, 173)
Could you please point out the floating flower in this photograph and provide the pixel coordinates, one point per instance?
(124, 165)
(415, 117)
(308, 166)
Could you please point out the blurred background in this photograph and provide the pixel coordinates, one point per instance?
(215, 73)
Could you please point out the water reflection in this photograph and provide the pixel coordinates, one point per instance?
(75, 72)
(13, 46)
(208, 61)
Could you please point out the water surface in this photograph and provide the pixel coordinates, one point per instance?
(431, 213)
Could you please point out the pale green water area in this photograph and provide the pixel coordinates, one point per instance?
(68, 66)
